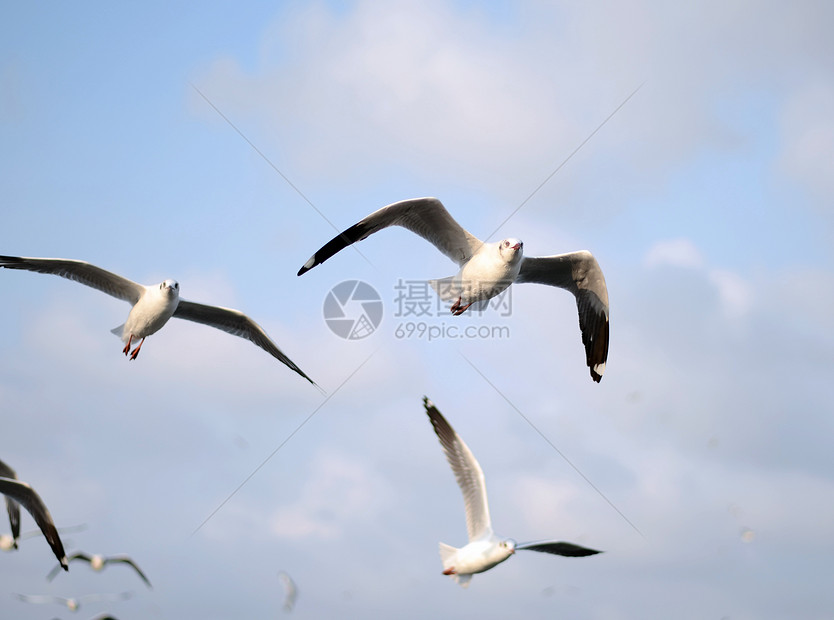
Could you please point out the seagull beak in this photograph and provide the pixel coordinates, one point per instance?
(517, 246)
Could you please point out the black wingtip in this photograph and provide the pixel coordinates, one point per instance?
(312, 262)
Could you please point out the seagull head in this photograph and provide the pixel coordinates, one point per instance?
(171, 287)
(7, 543)
(508, 545)
(510, 249)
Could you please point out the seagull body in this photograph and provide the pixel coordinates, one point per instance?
(488, 273)
(73, 604)
(290, 591)
(24, 495)
(152, 306)
(149, 314)
(487, 269)
(98, 562)
(484, 549)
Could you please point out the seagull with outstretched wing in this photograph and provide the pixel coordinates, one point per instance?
(152, 306)
(98, 562)
(73, 604)
(484, 549)
(487, 269)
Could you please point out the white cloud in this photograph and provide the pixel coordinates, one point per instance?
(339, 489)
(808, 137)
(676, 252)
(735, 293)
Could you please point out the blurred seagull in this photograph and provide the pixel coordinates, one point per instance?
(290, 590)
(152, 305)
(73, 604)
(487, 269)
(9, 542)
(13, 508)
(24, 495)
(98, 562)
(484, 549)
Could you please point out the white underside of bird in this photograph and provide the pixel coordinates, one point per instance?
(155, 307)
(490, 271)
(476, 557)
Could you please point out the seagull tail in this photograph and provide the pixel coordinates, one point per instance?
(119, 331)
(448, 555)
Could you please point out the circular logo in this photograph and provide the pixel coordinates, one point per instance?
(353, 310)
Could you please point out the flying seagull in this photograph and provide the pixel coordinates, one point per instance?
(24, 495)
(290, 590)
(152, 305)
(9, 542)
(73, 604)
(98, 562)
(12, 507)
(484, 549)
(487, 269)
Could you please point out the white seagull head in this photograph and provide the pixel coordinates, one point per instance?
(6, 542)
(172, 287)
(510, 250)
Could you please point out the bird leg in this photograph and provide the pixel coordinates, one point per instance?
(457, 309)
(449, 571)
(136, 350)
(126, 350)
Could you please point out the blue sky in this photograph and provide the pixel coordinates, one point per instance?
(706, 199)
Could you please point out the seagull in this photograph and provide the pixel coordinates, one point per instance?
(152, 305)
(24, 495)
(98, 562)
(9, 542)
(73, 604)
(13, 508)
(487, 269)
(290, 591)
(484, 549)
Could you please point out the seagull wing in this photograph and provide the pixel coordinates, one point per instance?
(118, 596)
(12, 507)
(80, 271)
(42, 598)
(78, 555)
(558, 548)
(236, 323)
(467, 471)
(579, 273)
(31, 501)
(123, 559)
(426, 217)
